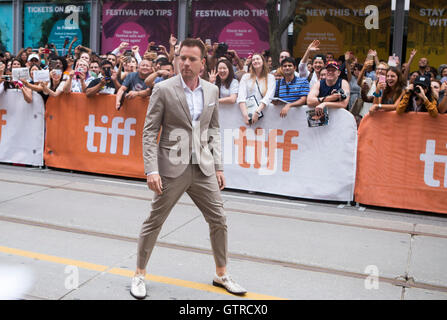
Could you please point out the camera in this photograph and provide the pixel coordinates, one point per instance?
(417, 90)
(154, 48)
(7, 77)
(342, 93)
(222, 49)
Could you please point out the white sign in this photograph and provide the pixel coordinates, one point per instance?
(20, 73)
(41, 76)
(284, 156)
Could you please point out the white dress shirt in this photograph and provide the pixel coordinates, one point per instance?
(194, 100)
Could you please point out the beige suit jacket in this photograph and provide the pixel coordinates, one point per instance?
(169, 110)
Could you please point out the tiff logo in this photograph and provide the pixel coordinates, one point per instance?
(430, 157)
(2, 121)
(114, 132)
(265, 149)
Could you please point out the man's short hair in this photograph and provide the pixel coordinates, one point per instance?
(319, 56)
(289, 60)
(190, 42)
(105, 62)
(162, 61)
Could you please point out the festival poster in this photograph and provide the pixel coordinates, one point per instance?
(243, 25)
(138, 23)
(427, 31)
(344, 26)
(6, 27)
(53, 23)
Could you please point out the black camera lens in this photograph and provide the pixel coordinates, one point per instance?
(417, 90)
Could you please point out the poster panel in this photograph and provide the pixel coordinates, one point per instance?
(427, 32)
(6, 27)
(243, 25)
(344, 26)
(52, 23)
(138, 23)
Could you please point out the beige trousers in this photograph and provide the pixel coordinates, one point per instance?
(205, 193)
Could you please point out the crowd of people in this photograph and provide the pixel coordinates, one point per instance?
(318, 79)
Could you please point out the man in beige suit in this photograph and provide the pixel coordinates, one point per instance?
(187, 159)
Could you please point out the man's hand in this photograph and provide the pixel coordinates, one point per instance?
(319, 109)
(284, 110)
(220, 179)
(154, 183)
(172, 40)
(132, 94)
(313, 46)
(212, 76)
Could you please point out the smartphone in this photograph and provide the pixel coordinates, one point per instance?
(128, 53)
(392, 61)
(46, 51)
(208, 42)
(382, 78)
(370, 57)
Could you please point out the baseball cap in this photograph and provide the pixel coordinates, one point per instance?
(423, 81)
(33, 56)
(332, 63)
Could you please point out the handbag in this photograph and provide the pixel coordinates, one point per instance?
(357, 107)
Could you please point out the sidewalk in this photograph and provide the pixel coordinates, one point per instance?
(278, 248)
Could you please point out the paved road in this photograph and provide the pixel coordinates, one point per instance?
(67, 235)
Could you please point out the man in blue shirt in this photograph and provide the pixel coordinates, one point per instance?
(291, 90)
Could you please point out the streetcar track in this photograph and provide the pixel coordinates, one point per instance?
(403, 282)
(63, 186)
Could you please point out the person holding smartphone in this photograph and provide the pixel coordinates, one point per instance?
(389, 91)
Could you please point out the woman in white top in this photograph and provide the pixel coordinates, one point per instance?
(225, 81)
(256, 90)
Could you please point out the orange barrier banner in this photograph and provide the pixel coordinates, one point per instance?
(402, 161)
(89, 134)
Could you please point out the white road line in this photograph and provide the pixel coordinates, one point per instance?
(119, 182)
(264, 200)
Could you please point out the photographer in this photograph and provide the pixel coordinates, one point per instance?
(107, 84)
(418, 97)
(332, 92)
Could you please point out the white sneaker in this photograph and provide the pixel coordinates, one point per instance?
(138, 287)
(229, 284)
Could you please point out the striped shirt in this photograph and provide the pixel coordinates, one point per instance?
(293, 90)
